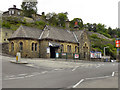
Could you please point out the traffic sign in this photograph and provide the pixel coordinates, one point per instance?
(117, 45)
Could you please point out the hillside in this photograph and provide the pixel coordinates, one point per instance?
(98, 41)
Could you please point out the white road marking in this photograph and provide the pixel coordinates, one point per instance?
(98, 66)
(30, 76)
(57, 69)
(10, 76)
(44, 72)
(75, 68)
(14, 78)
(113, 74)
(98, 77)
(78, 83)
(22, 74)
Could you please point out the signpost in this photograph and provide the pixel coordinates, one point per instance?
(117, 46)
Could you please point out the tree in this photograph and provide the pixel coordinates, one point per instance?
(62, 17)
(79, 22)
(29, 8)
(52, 18)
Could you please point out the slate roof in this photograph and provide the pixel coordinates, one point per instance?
(26, 32)
(48, 32)
(58, 34)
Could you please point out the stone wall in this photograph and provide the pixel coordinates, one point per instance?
(27, 48)
(5, 48)
(44, 44)
(84, 42)
(6, 33)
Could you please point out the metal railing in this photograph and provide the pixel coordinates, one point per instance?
(75, 56)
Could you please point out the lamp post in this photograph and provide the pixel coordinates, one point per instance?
(104, 50)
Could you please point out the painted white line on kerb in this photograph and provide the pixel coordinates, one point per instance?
(113, 74)
(78, 83)
(75, 68)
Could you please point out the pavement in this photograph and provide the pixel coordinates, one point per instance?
(100, 82)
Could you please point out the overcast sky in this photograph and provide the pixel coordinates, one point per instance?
(90, 11)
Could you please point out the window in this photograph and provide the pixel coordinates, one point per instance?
(18, 13)
(62, 48)
(35, 46)
(12, 11)
(68, 48)
(12, 46)
(21, 46)
(9, 12)
(76, 49)
(32, 46)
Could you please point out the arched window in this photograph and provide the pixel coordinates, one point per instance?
(35, 46)
(21, 46)
(76, 49)
(32, 47)
(12, 46)
(68, 48)
(62, 48)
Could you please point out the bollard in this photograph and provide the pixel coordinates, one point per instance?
(18, 57)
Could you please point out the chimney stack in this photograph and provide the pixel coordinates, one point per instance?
(76, 26)
(67, 24)
(14, 6)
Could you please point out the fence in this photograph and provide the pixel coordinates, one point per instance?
(66, 56)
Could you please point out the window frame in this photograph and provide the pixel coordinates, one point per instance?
(35, 46)
(12, 46)
(21, 46)
(32, 47)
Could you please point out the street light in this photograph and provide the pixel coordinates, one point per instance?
(104, 50)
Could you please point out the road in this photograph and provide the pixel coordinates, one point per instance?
(41, 76)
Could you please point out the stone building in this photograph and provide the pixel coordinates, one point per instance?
(13, 12)
(5, 34)
(16, 12)
(34, 43)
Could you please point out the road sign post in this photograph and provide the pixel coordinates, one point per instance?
(117, 46)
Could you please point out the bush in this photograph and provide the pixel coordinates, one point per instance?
(94, 36)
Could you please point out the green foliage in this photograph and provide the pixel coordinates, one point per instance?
(40, 23)
(94, 36)
(80, 23)
(57, 19)
(98, 44)
(29, 8)
(62, 17)
(6, 24)
(52, 19)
